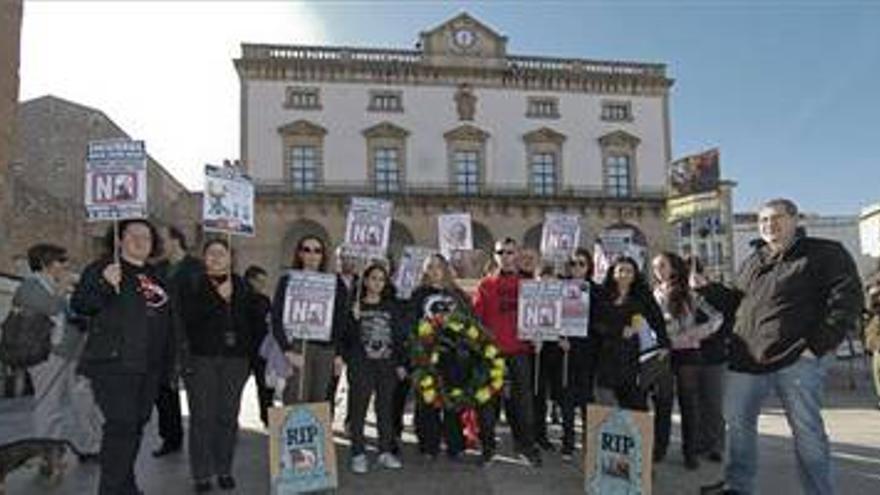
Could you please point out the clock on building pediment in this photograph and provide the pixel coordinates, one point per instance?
(464, 41)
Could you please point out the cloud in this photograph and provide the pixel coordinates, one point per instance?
(161, 70)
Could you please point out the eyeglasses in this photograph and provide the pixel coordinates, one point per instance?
(505, 251)
(311, 250)
(577, 263)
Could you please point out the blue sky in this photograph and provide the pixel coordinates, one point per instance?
(789, 90)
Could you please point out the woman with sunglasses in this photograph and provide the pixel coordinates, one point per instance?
(321, 360)
(215, 309)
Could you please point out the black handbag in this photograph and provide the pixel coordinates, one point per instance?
(653, 366)
(26, 339)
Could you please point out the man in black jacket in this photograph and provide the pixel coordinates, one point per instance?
(800, 296)
(128, 346)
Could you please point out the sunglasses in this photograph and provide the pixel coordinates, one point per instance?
(505, 251)
(311, 250)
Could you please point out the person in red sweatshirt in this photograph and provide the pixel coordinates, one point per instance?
(495, 304)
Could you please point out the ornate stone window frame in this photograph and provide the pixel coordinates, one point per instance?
(386, 135)
(302, 98)
(619, 143)
(542, 107)
(378, 95)
(463, 138)
(609, 114)
(544, 140)
(302, 133)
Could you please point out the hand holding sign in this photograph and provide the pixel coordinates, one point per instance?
(113, 275)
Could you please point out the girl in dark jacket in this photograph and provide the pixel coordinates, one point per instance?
(618, 365)
(373, 348)
(215, 313)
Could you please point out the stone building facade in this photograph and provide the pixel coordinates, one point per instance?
(457, 124)
(48, 174)
(10, 40)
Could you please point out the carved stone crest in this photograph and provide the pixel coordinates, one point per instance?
(465, 102)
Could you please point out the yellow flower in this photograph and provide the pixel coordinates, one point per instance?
(491, 351)
(425, 329)
(497, 372)
(483, 395)
(435, 357)
(456, 392)
(427, 382)
(473, 333)
(429, 395)
(498, 363)
(636, 321)
(456, 326)
(497, 383)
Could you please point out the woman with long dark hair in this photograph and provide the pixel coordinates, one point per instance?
(689, 319)
(321, 361)
(215, 312)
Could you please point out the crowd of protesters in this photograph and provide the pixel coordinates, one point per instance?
(657, 334)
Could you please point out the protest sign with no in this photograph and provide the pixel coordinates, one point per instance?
(228, 201)
(618, 447)
(308, 305)
(116, 180)
(560, 236)
(302, 457)
(575, 308)
(539, 316)
(368, 227)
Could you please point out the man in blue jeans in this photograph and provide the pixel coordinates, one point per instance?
(800, 296)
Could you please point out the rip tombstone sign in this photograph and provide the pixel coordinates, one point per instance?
(619, 447)
(301, 452)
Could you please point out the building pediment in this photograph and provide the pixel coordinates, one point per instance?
(302, 128)
(544, 135)
(466, 132)
(621, 139)
(464, 41)
(385, 130)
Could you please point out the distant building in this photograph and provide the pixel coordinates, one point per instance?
(869, 232)
(48, 177)
(844, 229)
(457, 124)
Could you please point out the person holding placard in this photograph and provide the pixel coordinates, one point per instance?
(215, 313)
(437, 294)
(689, 319)
(549, 371)
(128, 345)
(373, 345)
(496, 303)
(320, 361)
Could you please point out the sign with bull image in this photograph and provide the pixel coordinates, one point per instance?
(368, 228)
(308, 305)
(618, 451)
(539, 316)
(116, 180)
(301, 452)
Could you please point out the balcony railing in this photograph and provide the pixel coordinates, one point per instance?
(493, 191)
(306, 53)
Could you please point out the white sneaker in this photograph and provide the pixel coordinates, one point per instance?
(388, 461)
(359, 464)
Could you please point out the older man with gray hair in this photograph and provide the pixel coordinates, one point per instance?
(800, 297)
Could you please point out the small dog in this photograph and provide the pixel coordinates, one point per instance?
(16, 454)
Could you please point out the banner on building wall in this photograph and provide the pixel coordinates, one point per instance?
(695, 173)
(228, 201)
(539, 313)
(575, 308)
(409, 270)
(368, 228)
(692, 205)
(618, 449)
(116, 180)
(302, 457)
(308, 305)
(455, 233)
(560, 236)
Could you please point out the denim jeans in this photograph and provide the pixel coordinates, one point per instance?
(799, 387)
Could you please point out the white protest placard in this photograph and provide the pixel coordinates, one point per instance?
(228, 201)
(308, 305)
(560, 236)
(539, 315)
(618, 446)
(575, 308)
(617, 243)
(409, 270)
(116, 180)
(302, 457)
(455, 233)
(368, 228)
